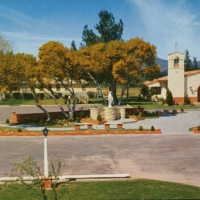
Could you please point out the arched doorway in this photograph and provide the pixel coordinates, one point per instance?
(198, 94)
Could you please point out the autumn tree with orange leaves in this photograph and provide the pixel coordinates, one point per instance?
(137, 59)
(59, 66)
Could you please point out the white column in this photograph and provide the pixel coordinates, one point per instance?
(46, 169)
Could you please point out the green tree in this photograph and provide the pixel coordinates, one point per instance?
(73, 45)
(186, 99)
(187, 61)
(107, 28)
(146, 92)
(169, 98)
(195, 64)
(89, 37)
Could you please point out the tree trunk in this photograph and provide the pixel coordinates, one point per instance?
(72, 93)
(98, 88)
(1, 97)
(127, 94)
(56, 102)
(39, 106)
(122, 93)
(114, 91)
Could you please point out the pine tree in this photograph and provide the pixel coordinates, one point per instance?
(187, 61)
(107, 28)
(169, 98)
(195, 64)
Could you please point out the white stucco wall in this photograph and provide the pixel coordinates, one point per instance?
(193, 82)
(155, 84)
(176, 75)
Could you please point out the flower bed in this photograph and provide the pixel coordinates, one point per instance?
(137, 118)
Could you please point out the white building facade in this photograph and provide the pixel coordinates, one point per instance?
(178, 81)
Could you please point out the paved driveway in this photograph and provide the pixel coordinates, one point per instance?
(179, 123)
(170, 157)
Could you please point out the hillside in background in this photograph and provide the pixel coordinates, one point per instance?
(164, 64)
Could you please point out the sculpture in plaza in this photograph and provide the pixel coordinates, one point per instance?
(110, 99)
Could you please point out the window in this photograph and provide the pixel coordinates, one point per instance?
(157, 90)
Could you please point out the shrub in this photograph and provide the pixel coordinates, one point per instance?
(28, 96)
(41, 95)
(61, 122)
(198, 127)
(99, 117)
(140, 128)
(78, 119)
(19, 130)
(8, 96)
(7, 121)
(169, 98)
(162, 100)
(58, 95)
(182, 110)
(16, 95)
(147, 92)
(91, 94)
(186, 100)
(152, 128)
(140, 114)
(140, 98)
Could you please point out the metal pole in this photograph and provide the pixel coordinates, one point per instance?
(46, 170)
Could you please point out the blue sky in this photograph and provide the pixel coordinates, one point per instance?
(28, 24)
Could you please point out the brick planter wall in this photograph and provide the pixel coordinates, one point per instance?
(119, 126)
(107, 126)
(35, 117)
(195, 130)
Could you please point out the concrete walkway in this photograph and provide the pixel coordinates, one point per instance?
(168, 124)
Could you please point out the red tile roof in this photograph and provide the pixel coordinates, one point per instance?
(189, 73)
(165, 78)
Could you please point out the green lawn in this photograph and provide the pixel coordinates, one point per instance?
(132, 101)
(131, 189)
(18, 102)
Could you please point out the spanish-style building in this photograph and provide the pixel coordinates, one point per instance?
(178, 81)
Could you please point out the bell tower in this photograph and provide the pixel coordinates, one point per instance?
(176, 80)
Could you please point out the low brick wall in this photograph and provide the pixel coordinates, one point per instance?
(36, 117)
(196, 130)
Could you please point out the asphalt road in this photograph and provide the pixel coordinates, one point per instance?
(171, 157)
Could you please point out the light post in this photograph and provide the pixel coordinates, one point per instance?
(46, 169)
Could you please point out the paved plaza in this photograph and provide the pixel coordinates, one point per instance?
(171, 156)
